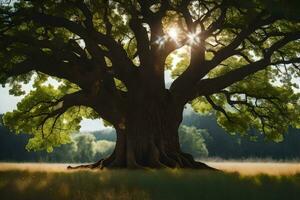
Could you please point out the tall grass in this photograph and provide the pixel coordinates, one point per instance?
(154, 184)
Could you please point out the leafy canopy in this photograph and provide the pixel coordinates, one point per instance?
(237, 59)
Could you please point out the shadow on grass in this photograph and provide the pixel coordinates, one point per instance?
(164, 184)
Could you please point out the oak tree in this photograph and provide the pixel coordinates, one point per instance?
(237, 59)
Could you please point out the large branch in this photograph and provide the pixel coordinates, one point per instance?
(80, 98)
(141, 35)
(214, 85)
(53, 65)
(152, 57)
(230, 49)
(180, 87)
(57, 107)
(214, 26)
(124, 66)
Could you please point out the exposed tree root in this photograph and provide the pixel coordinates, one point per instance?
(197, 164)
(99, 164)
(88, 166)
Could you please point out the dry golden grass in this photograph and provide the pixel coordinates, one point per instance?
(243, 168)
(254, 168)
(37, 167)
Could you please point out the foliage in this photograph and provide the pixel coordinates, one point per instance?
(236, 59)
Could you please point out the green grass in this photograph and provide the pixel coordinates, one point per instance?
(165, 184)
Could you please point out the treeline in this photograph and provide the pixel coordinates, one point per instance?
(199, 135)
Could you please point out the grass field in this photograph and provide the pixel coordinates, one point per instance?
(240, 180)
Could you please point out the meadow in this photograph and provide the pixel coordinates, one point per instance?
(239, 180)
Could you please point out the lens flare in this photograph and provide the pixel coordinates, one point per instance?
(173, 33)
(193, 38)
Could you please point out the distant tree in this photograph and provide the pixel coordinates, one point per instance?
(236, 58)
(87, 147)
(84, 146)
(105, 134)
(192, 141)
(103, 148)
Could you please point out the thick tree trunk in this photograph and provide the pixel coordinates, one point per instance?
(149, 139)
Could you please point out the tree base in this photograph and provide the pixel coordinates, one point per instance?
(185, 161)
